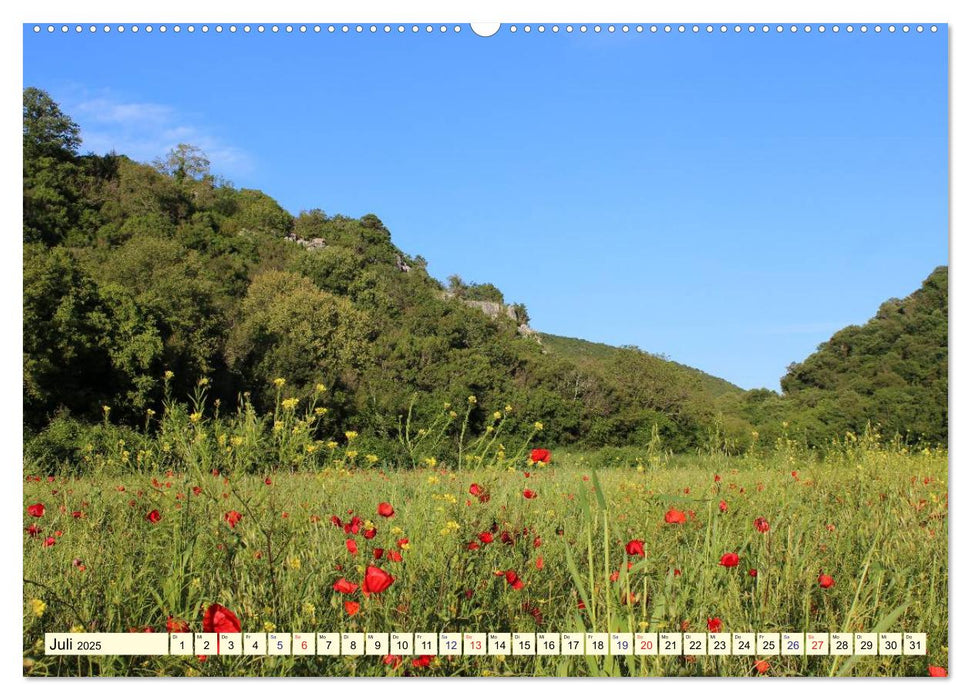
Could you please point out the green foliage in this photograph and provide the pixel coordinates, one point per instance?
(892, 371)
(289, 328)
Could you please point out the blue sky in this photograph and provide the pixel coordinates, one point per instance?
(728, 200)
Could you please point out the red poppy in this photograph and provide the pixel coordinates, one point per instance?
(529, 493)
(393, 555)
(485, 537)
(402, 543)
(392, 660)
(513, 580)
(753, 572)
(220, 619)
(369, 534)
(714, 624)
(722, 506)
(345, 586)
(537, 541)
(385, 510)
(233, 517)
(614, 575)
(421, 661)
(196, 490)
(37, 510)
(175, 625)
(762, 666)
(352, 607)
(539, 455)
(729, 559)
(378, 552)
(50, 542)
(472, 546)
(153, 517)
(476, 490)
(937, 671)
(351, 546)
(717, 478)
(336, 521)
(539, 562)
(376, 580)
(635, 547)
(826, 581)
(677, 572)
(674, 517)
(761, 524)
(267, 481)
(33, 530)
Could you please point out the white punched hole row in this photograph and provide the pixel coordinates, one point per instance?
(479, 29)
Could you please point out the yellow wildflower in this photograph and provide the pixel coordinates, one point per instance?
(169, 374)
(295, 563)
(496, 415)
(371, 459)
(350, 435)
(538, 426)
(290, 404)
(472, 400)
(38, 606)
(195, 417)
(269, 627)
(320, 388)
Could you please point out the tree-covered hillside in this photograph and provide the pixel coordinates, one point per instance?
(145, 279)
(891, 370)
(132, 271)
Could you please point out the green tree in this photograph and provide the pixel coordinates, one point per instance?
(184, 162)
(48, 132)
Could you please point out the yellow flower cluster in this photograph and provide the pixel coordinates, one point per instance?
(450, 527)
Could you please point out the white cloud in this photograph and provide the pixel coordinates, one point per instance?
(145, 131)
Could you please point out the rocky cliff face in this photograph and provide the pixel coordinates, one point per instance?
(494, 309)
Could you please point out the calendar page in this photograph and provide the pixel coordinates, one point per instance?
(437, 349)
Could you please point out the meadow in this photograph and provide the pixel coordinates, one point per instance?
(293, 532)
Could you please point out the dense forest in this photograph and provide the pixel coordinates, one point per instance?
(143, 280)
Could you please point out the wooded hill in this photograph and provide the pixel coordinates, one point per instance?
(134, 270)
